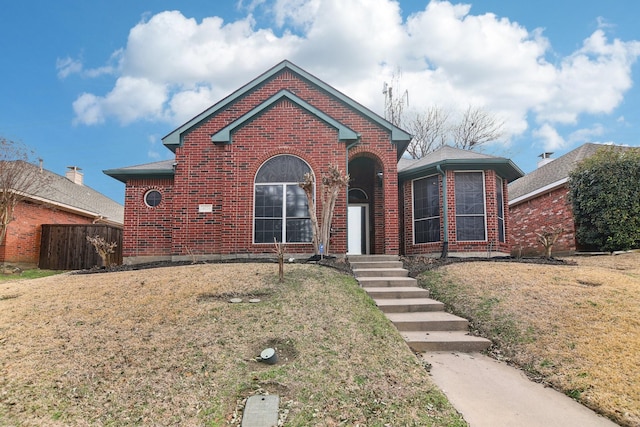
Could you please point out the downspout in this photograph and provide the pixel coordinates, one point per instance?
(445, 243)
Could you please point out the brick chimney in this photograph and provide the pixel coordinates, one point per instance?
(74, 175)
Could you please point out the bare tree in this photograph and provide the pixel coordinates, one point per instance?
(395, 100)
(332, 183)
(19, 179)
(429, 131)
(476, 127)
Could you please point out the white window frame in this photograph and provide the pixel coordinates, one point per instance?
(284, 204)
(500, 182)
(484, 200)
(413, 213)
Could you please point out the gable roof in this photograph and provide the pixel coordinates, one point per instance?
(549, 176)
(398, 136)
(80, 199)
(450, 158)
(224, 135)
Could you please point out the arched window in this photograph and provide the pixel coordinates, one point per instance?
(281, 210)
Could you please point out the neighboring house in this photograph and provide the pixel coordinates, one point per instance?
(539, 201)
(232, 187)
(61, 200)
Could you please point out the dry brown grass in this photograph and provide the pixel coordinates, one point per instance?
(576, 327)
(165, 347)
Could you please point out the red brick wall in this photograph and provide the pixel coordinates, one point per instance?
(491, 213)
(147, 230)
(222, 175)
(551, 209)
(22, 242)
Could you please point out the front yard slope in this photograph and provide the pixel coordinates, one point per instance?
(164, 346)
(575, 327)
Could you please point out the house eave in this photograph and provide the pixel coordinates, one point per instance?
(224, 135)
(504, 167)
(124, 175)
(539, 191)
(95, 216)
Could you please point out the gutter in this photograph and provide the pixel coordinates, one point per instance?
(445, 243)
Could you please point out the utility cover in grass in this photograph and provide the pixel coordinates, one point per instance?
(261, 411)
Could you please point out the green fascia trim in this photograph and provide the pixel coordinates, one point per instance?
(174, 139)
(124, 175)
(224, 135)
(504, 167)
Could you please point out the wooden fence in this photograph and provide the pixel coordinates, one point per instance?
(65, 246)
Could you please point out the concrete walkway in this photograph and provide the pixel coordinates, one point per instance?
(489, 393)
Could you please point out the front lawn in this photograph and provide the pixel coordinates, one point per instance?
(575, 327)
(164, 346)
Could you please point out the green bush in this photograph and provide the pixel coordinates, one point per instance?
(605, 194)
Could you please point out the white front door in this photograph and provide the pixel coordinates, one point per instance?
(358, 229)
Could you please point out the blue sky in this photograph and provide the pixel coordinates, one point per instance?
(97, 84)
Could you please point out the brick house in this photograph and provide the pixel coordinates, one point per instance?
(539, 201)
(233, 184)
(62, 200)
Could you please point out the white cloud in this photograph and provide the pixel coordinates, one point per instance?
(130, 100)
(550, 138)
(581, 136)
(173, 67)
(67, 66)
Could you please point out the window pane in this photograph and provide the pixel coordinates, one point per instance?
(299, 230)
(469, 193)
(427, 230)
(426, 198)
(500, 205)
(470, 228)
(268, 201)
(282, 169)
(297, 204)
(153, 198)
(268, 229)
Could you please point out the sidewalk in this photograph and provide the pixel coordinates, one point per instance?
(489, 393)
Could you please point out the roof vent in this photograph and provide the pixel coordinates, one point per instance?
(544, 159)
(74, 175)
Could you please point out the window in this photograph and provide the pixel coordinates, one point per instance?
(470, 211)
(152, 198)
(426, 210)
(500, 207)
(281, 209)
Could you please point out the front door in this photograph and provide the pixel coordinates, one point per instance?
(358, 229)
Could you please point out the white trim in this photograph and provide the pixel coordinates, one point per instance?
(501, 201)
(539, 191)
(484, 199)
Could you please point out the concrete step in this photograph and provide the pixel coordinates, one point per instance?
(428, 321)
(408, 305)
(397, 292)
(368, 258)
(380, 272)
(386, 282)
(376, 264)
(461, 341)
